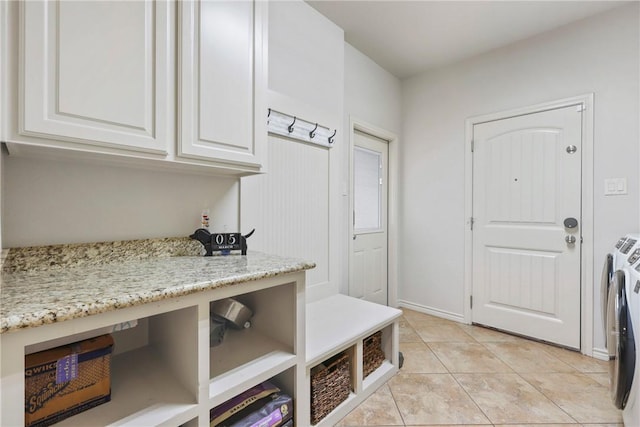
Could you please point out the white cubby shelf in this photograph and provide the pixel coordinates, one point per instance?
(340, 323)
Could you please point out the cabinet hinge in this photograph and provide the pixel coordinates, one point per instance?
(471, 301)
(471, 223)
(472, 145)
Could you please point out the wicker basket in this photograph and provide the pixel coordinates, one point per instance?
(372, 353)
(330, 386)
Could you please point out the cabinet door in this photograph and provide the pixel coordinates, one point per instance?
(95, 72)
(222, 81)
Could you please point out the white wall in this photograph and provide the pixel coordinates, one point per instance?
(371, 93)
(296, 207)
(374, 96)
(598, 55)
(49, 201)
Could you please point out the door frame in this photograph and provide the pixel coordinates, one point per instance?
(585, 101)
(392, 211)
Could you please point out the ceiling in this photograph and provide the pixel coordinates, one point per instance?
(409, 37)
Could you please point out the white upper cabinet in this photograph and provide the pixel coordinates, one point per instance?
(95, 73)
(222, 80)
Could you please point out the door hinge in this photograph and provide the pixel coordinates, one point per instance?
(471, 301)
(472, 145)
(471, 223)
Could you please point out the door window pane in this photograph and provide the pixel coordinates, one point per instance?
(367, 188)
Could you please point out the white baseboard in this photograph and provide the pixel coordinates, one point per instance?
(600, 353)
(432, 311)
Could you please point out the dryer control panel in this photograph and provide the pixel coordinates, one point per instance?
(635, 256)
(627, 246)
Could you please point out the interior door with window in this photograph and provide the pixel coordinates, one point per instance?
(368, 264)
(526, 232)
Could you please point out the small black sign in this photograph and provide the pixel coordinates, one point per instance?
(226, 241)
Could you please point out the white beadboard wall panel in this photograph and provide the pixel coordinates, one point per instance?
(297, 207)
(49, 202)
(289, 206)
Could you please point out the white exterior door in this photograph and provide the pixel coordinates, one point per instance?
(526, 187)
(368, 264)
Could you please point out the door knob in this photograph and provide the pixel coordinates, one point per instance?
(570, 222)
(570, 239)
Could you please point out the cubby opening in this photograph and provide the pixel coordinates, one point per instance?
(285, 381)
(261, 351)
(332, 383)
(387, 363)
(153, 370)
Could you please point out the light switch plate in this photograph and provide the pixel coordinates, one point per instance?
(615, 186)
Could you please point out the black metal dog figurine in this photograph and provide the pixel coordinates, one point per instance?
(207, 239)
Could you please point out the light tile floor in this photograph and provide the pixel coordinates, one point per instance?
(463, 375)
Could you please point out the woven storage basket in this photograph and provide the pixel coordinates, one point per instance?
(372, 353)
(330, 386)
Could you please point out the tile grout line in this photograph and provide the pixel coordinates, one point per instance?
(395, 402)
(547, 397)
(465, 390)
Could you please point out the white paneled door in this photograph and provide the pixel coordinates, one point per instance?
(526, 225)
(368, 264)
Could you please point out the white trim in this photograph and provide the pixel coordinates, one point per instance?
(443, 314)
(601, 354)
(392, 201)
(587, 285)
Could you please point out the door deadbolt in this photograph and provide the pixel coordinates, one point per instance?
(570, 222)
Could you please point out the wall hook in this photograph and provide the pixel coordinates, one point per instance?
(290, 128)
(313, 132)
(332, 136)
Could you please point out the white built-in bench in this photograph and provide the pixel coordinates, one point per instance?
(341, 323)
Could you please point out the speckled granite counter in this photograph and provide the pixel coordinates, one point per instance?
(36, 296)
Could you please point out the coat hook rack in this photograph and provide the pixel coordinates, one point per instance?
(294, 127)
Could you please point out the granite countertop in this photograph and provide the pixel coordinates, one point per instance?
(38, 293)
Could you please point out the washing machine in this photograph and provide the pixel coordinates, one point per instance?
(623, 326)
(614, 261)
(631, 412)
